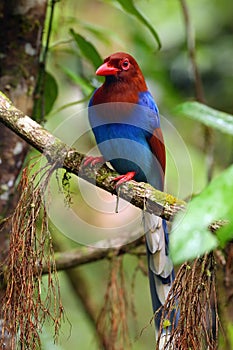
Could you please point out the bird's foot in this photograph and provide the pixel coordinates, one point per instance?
(92, 161)
(124, 178)
(119, 181)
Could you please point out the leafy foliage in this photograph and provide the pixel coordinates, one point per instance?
(128, 6)
(83, 83)
(207, 116)
(191, 236)
(87, 49)
(47, 95)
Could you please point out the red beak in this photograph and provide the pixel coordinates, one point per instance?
(105, 69)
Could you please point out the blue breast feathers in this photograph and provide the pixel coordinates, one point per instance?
(122, 131)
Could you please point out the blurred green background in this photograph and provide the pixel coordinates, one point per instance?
(169, 76)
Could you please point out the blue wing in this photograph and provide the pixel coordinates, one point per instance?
(146, 99)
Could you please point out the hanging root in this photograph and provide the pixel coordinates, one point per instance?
(112, 321)
(27, 300)
(193, 300)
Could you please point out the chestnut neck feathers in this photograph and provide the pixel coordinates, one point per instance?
(125, 84)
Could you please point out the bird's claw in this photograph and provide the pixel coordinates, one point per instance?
(92, 161)
(123, 178)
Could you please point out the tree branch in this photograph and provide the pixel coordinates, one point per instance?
(83, 255)
(107, 248)
(141, 195)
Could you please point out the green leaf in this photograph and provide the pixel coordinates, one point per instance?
(207, 115)
(51, 92)
(99, 33)
(84, 84)
(71, 104)
(48, 91)
(128, 6)
(87, 49)
(190, 235)
(225, 234)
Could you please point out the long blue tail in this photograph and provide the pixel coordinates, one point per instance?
(161, 271)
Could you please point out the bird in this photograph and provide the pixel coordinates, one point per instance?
(125, 120)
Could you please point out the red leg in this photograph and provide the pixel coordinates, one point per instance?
(124, 178)
(93, 160)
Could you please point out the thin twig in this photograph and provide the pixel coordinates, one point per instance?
(39, 94)
(191, 46)
(199, 90)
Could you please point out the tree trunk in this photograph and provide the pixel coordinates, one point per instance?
(21, 29)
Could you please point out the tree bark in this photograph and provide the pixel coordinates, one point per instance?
(21, 28)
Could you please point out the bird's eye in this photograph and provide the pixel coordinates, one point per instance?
(125, 64)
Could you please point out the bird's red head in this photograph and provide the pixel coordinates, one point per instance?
(121, 66)
(117, 63)
(123, 80)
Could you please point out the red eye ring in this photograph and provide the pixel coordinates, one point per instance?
(125, 64)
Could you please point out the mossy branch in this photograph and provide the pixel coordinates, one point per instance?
(141, 195)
